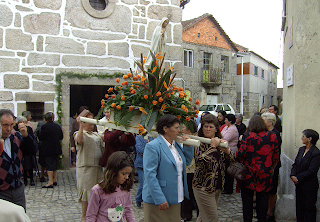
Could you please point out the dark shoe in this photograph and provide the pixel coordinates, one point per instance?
(139, 204)
(50, 186)
(270, 218)
(25, 183)
(55, 184)
(42, 179)
(32, 183)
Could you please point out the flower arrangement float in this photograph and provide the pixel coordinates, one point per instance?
(139, 100)
(151, 94)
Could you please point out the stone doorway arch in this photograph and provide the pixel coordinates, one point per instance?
(67, 85)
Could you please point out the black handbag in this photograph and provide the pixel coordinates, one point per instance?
(237, 170)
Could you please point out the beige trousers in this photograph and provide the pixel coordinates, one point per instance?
(207, 204)
(153, 214)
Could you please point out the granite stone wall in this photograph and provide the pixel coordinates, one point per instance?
(40, 39)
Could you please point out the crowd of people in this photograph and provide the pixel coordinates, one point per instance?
(174, 179)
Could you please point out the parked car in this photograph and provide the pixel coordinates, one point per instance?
(214, 109)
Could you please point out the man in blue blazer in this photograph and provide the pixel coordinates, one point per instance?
(164, 165)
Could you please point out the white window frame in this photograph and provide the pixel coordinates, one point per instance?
(189, 60)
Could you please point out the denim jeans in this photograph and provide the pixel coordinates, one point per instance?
(141, 178)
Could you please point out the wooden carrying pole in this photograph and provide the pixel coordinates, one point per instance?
(194, 141)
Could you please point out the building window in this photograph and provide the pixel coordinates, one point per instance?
(188, 58)
(270, 76)
(198, 35)
(255, 70)
(207, 61)
(224, 63)
(99, 5)
(36, 109)
(262, 74)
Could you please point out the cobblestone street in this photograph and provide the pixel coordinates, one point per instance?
(60, 203)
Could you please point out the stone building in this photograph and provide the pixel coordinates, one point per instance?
(301, 90)
(209, 61)
(259, 82)
(77, 40)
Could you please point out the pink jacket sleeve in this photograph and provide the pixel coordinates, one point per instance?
(93, 205)
(128, 212)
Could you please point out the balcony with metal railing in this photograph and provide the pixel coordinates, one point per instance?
(211, 77)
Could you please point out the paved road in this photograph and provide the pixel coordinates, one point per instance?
(60, 203)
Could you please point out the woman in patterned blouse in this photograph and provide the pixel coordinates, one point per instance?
(259, 153)
(209, 173)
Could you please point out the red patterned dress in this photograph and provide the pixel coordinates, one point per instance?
(260, 153)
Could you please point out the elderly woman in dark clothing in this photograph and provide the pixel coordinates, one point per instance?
(270, 120)
(50, 136)
(304, 176)
(259, 153)
(240, 126)
(28, 152)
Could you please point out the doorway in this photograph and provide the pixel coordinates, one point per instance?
(86, 95)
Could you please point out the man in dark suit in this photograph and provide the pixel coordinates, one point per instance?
(50, 136)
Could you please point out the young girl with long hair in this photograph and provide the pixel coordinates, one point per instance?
(110, 200)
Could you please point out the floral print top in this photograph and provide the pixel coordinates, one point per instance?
(260, 154)
(209, 168)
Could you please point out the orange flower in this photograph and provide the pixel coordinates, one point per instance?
(165, 85)
(135, 78)
(175, 88)
(197, 111)
(143, 110)
(143, 78)
(129, 74)
(102, 107)
(197, 102)
(115, 88)
(160, 100)
(118, 107)
(117, 80)
(163, 107)
(196, 116)
(141, 129)
(174, 106)
(188, 118)
(183, 107)
(180, 88)
(145, 97)
(158, 94)
(154, 102)
(133, 92)
(157, 62)
(130, 108)
(123, 98)
(102, 102)
(113, 105)
(125, 83)
(158, 54)
(170, 66)
(119, 87)
(186, 110)
(125, 77)
(179, 117)
(113, 96)
(154, 69)
(169, 95)
(110, 90)
(181, 94)
(106, 96)
(190, 99)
